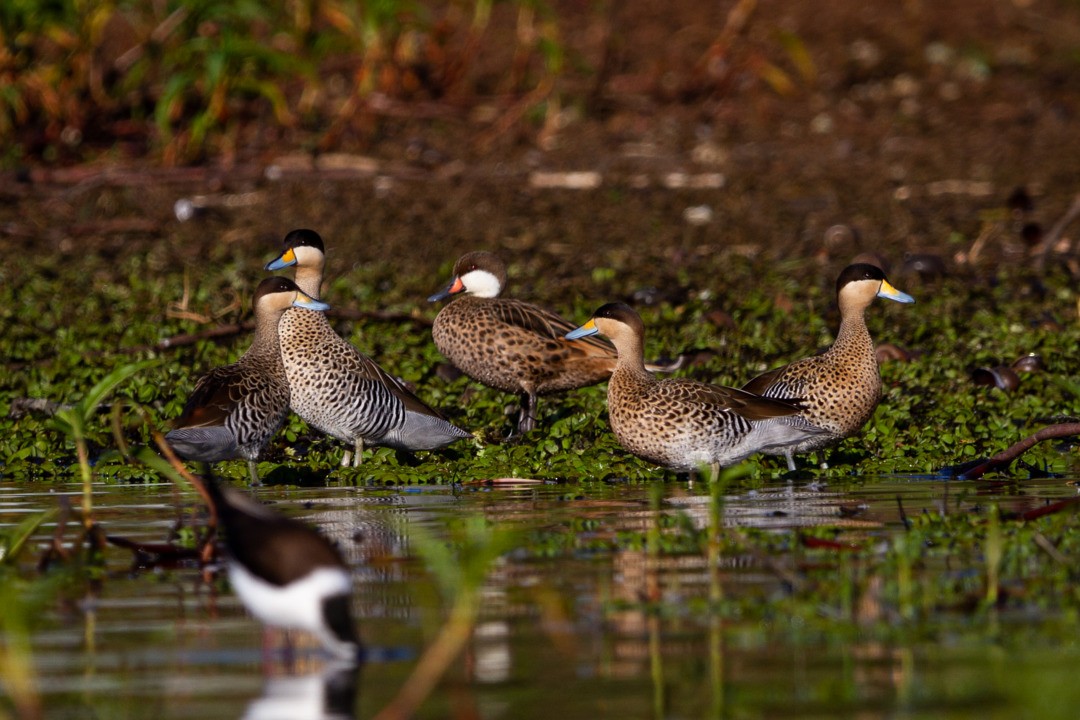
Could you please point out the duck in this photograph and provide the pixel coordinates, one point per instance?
(680, 423)
(512, 345)
(337, 389)
(285, 572)
(840, 388)
(235, 409)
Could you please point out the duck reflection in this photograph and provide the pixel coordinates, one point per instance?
(491, 656)
(327, 695)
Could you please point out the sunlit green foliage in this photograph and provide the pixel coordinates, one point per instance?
(183, 79)
(932, 414)
(73, 422)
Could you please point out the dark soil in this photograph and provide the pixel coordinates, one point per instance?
(909, 129)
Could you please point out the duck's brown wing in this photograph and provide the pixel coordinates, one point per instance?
(215, 395)
(547, 324)
(756, 407)
(746, 404)
(769, 383)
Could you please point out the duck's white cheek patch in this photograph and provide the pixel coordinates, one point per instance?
(481, 283)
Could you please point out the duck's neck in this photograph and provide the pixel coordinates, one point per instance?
(267, 342)
(309, 279)
(631, 361)
(853, 337)
(628, 380)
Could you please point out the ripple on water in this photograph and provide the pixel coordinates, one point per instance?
(150, 639)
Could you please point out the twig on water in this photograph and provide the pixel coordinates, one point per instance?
(1004, 458)
(1052, 508)
(196, 482)
(207, 547)
(903, 515)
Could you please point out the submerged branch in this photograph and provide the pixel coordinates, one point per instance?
(1003, 459)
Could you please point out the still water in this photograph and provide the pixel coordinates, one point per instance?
(562, 634)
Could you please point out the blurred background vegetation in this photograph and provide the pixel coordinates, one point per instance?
(185, 78)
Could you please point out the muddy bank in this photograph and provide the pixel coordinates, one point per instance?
(902, 129)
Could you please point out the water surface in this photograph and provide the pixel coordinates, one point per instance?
(593, 627)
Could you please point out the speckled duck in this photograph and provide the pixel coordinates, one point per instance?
(234, 410)
(840, 388)
(680, 423)
(512, 345)
(336, 388)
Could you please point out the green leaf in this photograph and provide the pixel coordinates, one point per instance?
(154, 461)
(68, 422)
(13, 541)
(88, 405)
(170, 96)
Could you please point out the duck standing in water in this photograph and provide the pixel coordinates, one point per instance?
(680, 423)
(234, 410)
(337, 389)
(511, 345)
(840, 388)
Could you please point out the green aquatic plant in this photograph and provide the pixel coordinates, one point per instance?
(219, 57)
(186, 79)
(1071, 385)
(74, 422)
(931, 414)
(13, 540)
(460, 566)
(18, 677)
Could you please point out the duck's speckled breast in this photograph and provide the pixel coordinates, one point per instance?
(840, 389)
(324, 392)
(660, 422)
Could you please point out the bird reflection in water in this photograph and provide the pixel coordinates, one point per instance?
(327, 695)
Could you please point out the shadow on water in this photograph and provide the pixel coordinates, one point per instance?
(797, 617)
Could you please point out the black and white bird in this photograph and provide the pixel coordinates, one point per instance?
(326, 695)
(285, 572)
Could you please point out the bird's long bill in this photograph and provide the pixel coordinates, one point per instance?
(585, 330)
(306, 301)
(888, 291)
(283, 260)
(454, 287)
